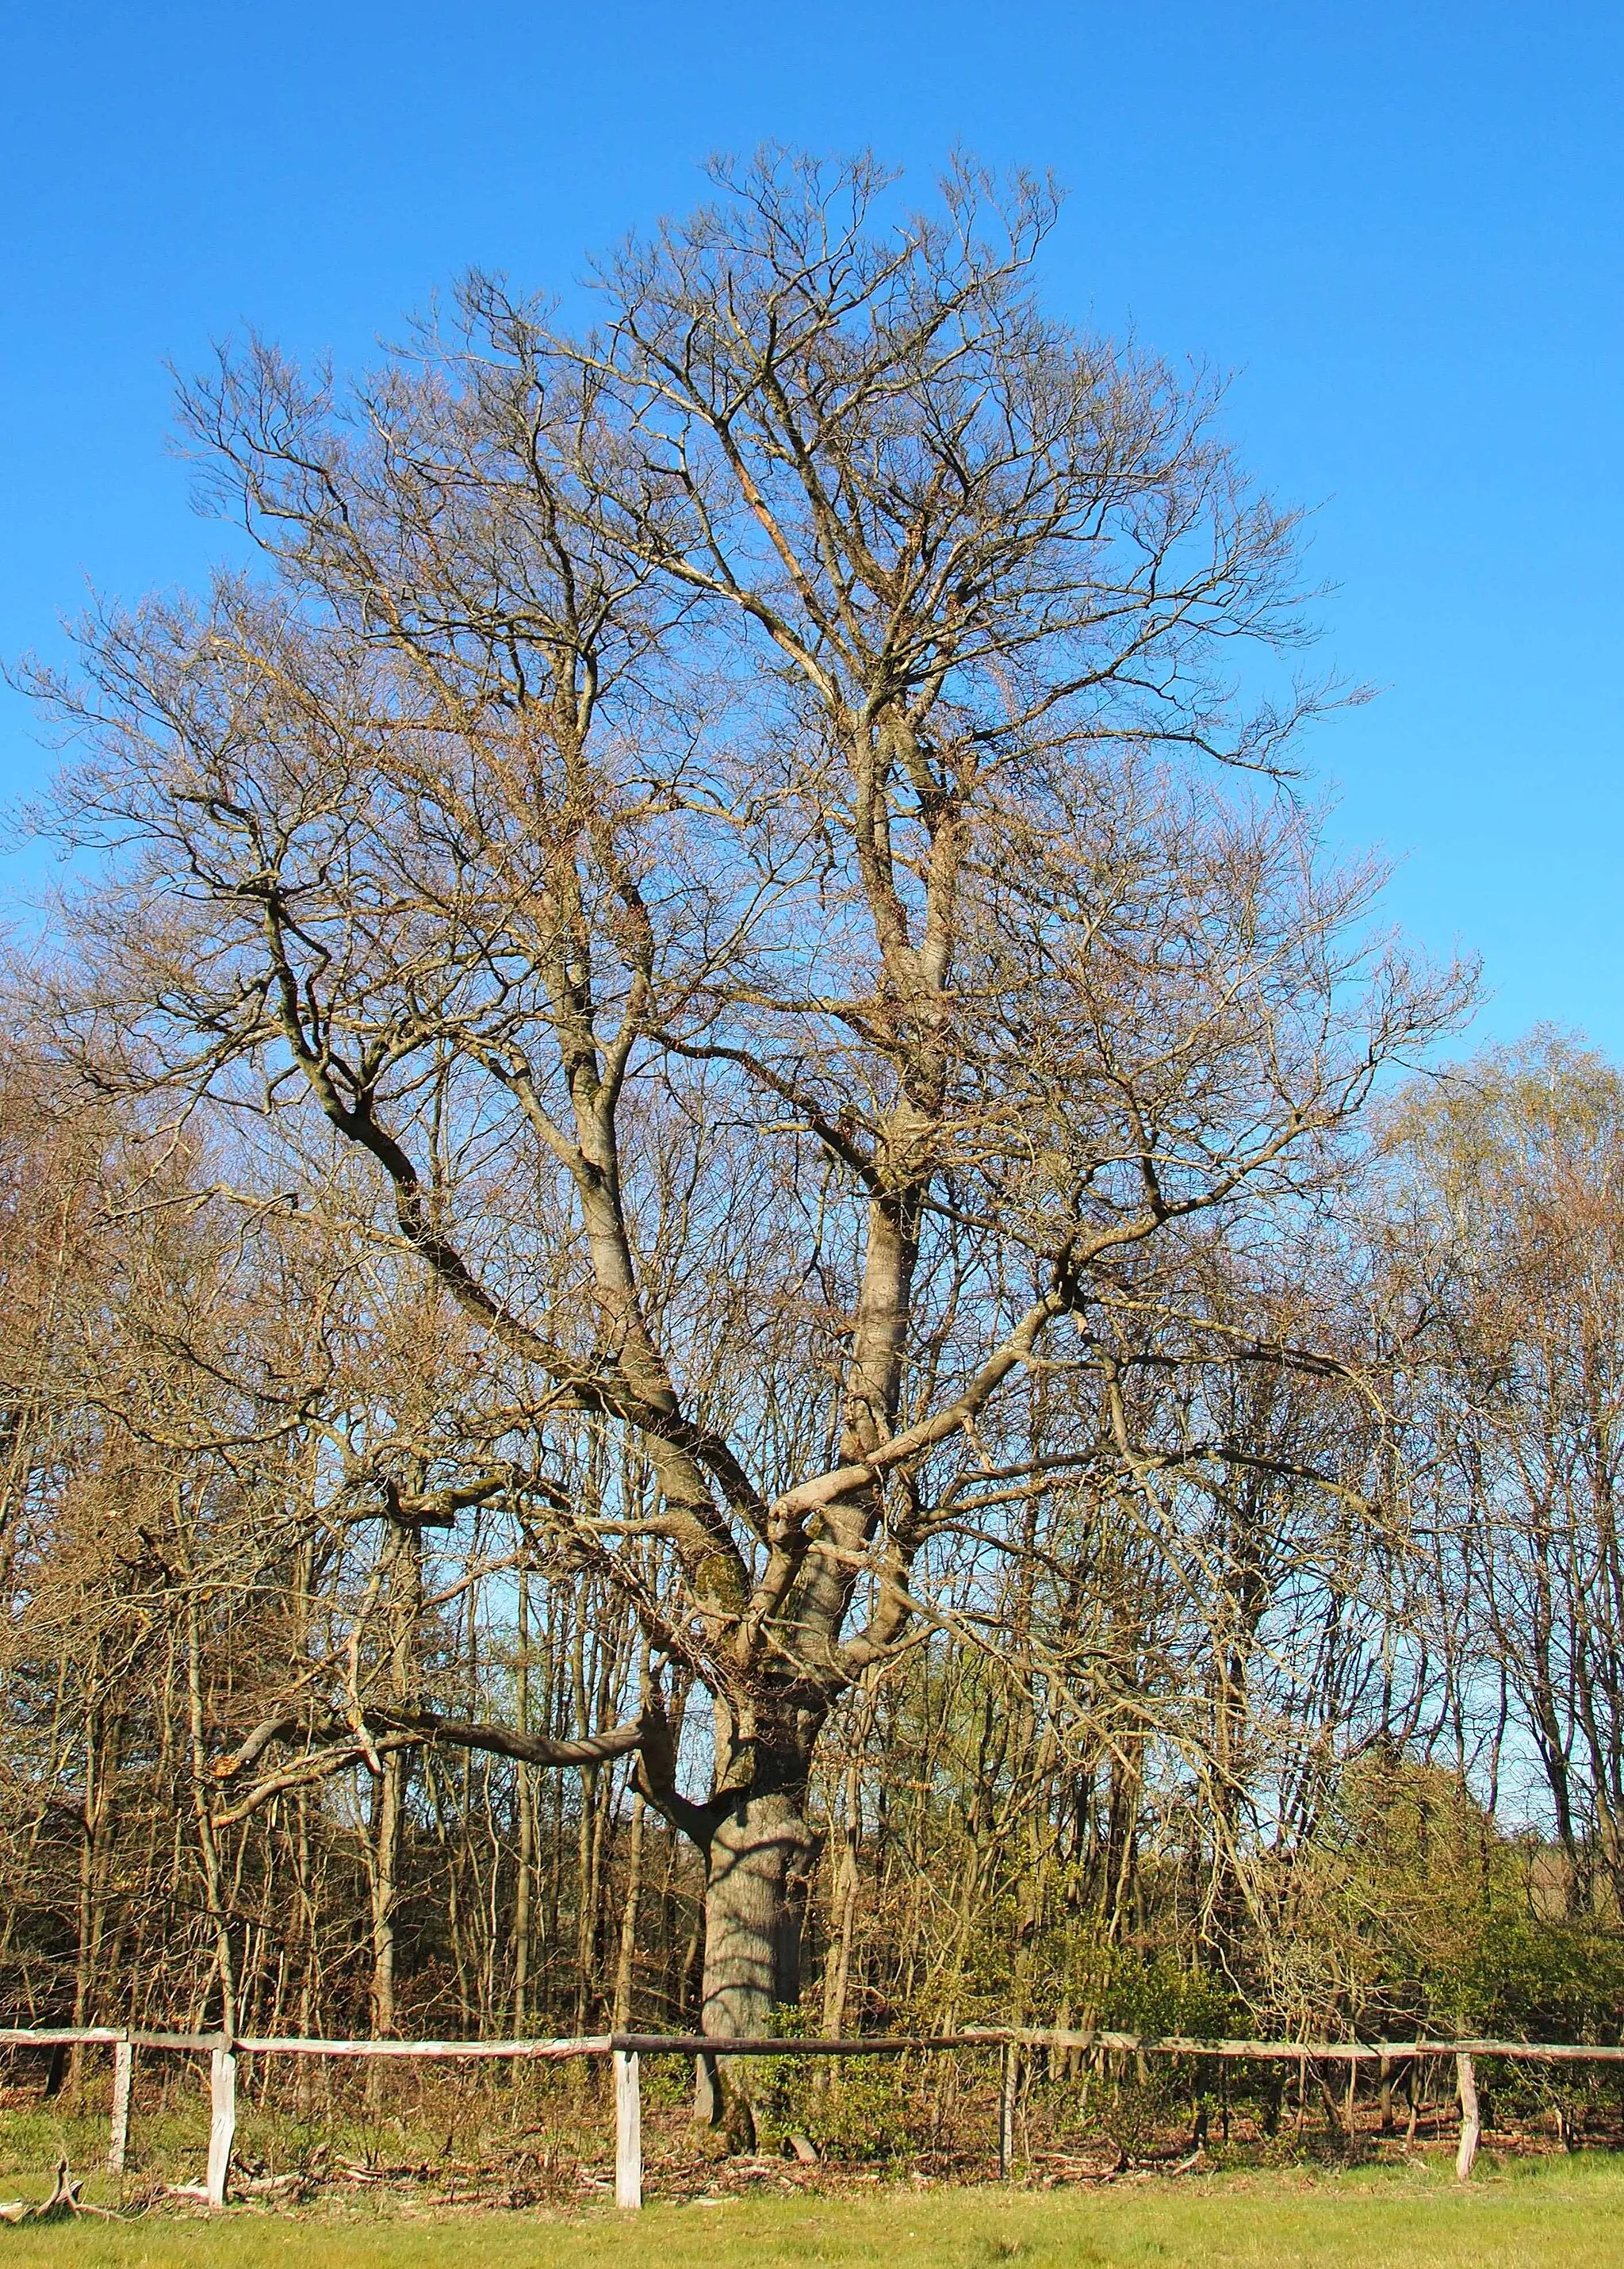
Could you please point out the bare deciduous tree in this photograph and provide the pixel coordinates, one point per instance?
(1511, 1199)
(724, 813)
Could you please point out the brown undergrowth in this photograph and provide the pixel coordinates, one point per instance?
(430, 2143)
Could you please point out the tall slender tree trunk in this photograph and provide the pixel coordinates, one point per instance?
(384, 1882)
(89, 1980)
(625, 1968)
(524, 1799)
(405, 1609)
(586, 1897)
(209, 1853)
(848, 1884)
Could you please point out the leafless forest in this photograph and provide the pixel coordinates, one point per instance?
(737, 1290)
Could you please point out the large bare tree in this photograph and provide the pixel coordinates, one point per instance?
(726, 812)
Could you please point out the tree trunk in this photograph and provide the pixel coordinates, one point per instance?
(404, 1570)
(524, 1801)
(837, 1972)
(754, 1897)
(625, 1967)
(385, 1888)
(754, 1900)
(225, 1975)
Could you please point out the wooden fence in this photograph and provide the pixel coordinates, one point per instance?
(626, 2051)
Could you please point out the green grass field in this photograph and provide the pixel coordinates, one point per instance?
(1549, 2213)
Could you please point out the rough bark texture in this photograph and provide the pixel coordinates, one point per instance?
(752, 1915)
(756, 1863)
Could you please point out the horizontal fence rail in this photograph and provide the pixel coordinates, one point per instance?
(626, 2050)
(586, 2044)
(690, 2044)
(1177, 2044)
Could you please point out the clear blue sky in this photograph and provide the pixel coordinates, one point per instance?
(1399, 224)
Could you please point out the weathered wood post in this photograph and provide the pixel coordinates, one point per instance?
(628, 2132)
(1471, 2126)
(118, 2138)
(222, 2122)
(1009, 2091)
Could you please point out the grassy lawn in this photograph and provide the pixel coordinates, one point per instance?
(1549, 2213)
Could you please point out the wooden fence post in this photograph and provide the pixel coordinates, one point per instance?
(118, 2138)
(628, 2132)
(222, 2122)
(1006, 2095)
(1471, 2126)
